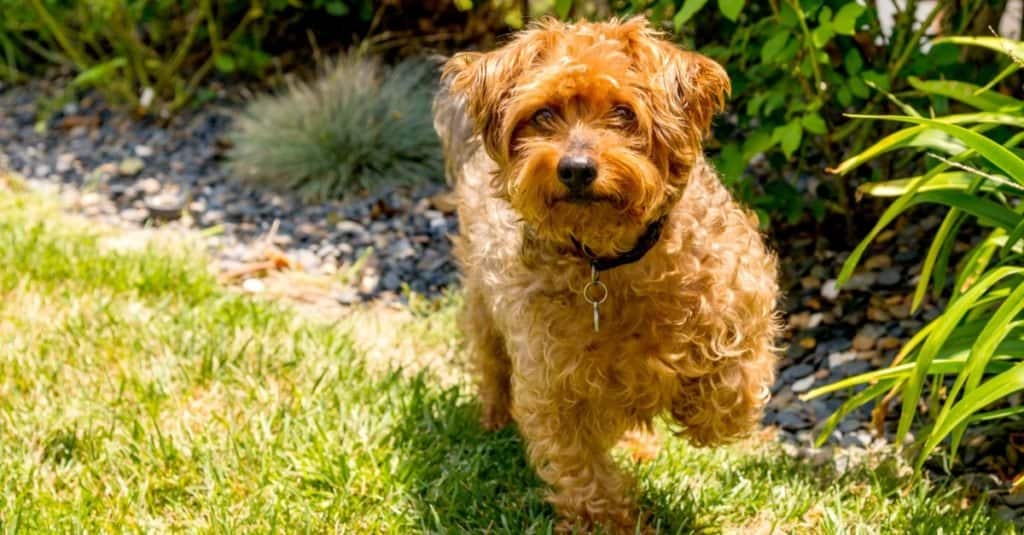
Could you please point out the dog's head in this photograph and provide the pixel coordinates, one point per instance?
(594, 126)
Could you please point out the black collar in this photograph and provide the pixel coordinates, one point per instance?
(643, 244)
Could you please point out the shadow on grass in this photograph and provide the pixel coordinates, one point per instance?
(464, 479)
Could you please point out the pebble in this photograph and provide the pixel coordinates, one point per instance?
(130, 167)
(803, 385)
(254, 286)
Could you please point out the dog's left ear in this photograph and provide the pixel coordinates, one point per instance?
(486, 81)
(693, 89)
(702, 85)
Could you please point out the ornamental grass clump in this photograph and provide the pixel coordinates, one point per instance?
(360, 126)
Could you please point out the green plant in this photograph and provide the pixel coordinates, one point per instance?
(977, 171)
(360, 126)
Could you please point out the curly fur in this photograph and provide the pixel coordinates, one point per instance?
(688, 330)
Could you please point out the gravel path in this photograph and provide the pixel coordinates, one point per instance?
(135, 173)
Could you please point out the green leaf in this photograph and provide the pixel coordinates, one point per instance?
(944, 326)
(562, 8)
(1014, 49)
(98, 73)
(813, 123)
(757, 142)
(731, 8)
(959, 180)
(686, 12)
(852, 61)
(846, 19)
(224, 63)
(999, 155)
(789, 136)
(1010, 69)
(773, 46)
(969, 94)
(337, 8)
(825, 15)
(995, 389)
(822, 34)
(877, 79)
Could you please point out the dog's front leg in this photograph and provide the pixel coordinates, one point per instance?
(569, 444)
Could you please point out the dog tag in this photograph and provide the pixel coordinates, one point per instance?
(595, 293)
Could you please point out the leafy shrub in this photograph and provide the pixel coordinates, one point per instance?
(360, 126)
(155, 55)
(978, 173)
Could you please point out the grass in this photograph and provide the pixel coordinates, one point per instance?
(360, 126)
(137, 395)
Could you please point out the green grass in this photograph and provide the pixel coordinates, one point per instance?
(137, 395)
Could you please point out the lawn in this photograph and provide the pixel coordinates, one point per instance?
(136, 394)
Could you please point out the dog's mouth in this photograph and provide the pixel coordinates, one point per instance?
(584, 198)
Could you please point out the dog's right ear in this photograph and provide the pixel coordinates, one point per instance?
(486, 81)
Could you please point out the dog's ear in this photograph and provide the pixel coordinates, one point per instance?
(486, 80)
(692, 88)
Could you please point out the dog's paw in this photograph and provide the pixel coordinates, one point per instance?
(495, 417)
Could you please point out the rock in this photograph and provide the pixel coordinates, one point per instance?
(792, 419)
(793, 372)
(836, 360)
(143, 151)
(863, 342)
(254, 286)
(445, 202)
(830, 290)
(876, 262)
(431, 260)
(861, 282)
(808, 342)
(889, 277)
(803, 385)
(401, 249)
(130, 167)
(889, 342)
(810, 283)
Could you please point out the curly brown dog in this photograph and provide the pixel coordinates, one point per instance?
(609, 276)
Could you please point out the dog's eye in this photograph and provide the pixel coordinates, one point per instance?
(624, 113)
(543, 117)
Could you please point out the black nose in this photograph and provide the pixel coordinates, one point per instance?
(577, 172)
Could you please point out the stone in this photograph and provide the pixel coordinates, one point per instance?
(803, 385)
(863, 342)
(830, 290)
(889, 277)
(838, 359)
(130, 167)
(877, 262)
(254, 286)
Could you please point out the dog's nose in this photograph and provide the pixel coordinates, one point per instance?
(577, 172)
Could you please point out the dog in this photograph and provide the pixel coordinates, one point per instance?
(609, 276)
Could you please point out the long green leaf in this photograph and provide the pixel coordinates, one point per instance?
(944, 326)
(1014, 49)
(862, 397)
(994, 389)
(960, 180)
(969, 94)
(906, 136)
(996, 330)
(999, 155)
(938, 255)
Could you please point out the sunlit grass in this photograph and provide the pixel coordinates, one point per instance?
(137, 395)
